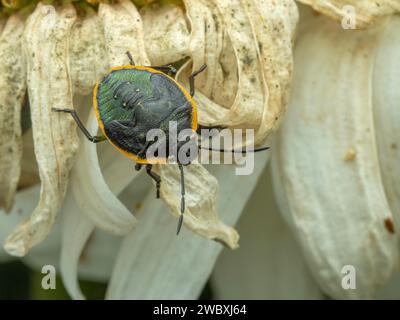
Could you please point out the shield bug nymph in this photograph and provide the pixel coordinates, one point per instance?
(132, 100)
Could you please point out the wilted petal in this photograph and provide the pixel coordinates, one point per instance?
(260, 34)
(166, 35)
(206, 43)
(88, 57)
(153, 263)
(246, 109)
(123, 31)
(274, 25)
(12, 95)
(365, 11)
(201, 202)
(269, 263)
(54, 134)
(326, 167)
(25, 202)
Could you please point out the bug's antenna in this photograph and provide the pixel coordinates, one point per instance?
(235, 151)
(182, 199)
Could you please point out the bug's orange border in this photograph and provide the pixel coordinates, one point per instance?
(101, 125)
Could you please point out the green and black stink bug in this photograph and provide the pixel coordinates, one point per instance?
(131, 100)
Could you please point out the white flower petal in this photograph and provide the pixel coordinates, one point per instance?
(325, 162)
(269, 263)
(153, 263)
(391, 290)
(386, 99)
(91, 192)
(76, 230)
(91, 202)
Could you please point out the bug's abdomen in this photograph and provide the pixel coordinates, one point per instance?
(131, 102)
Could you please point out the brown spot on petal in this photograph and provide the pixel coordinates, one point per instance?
(316, 13)
(389, 225)
(350, 155)
(138, 206)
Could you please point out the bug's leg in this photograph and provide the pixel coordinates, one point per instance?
(169, 69)
(192, 76)
(155, 177)
(94, 139)
(200, 127)
(138, 166)
(182, 199)
(142, 152)
(166, 69)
